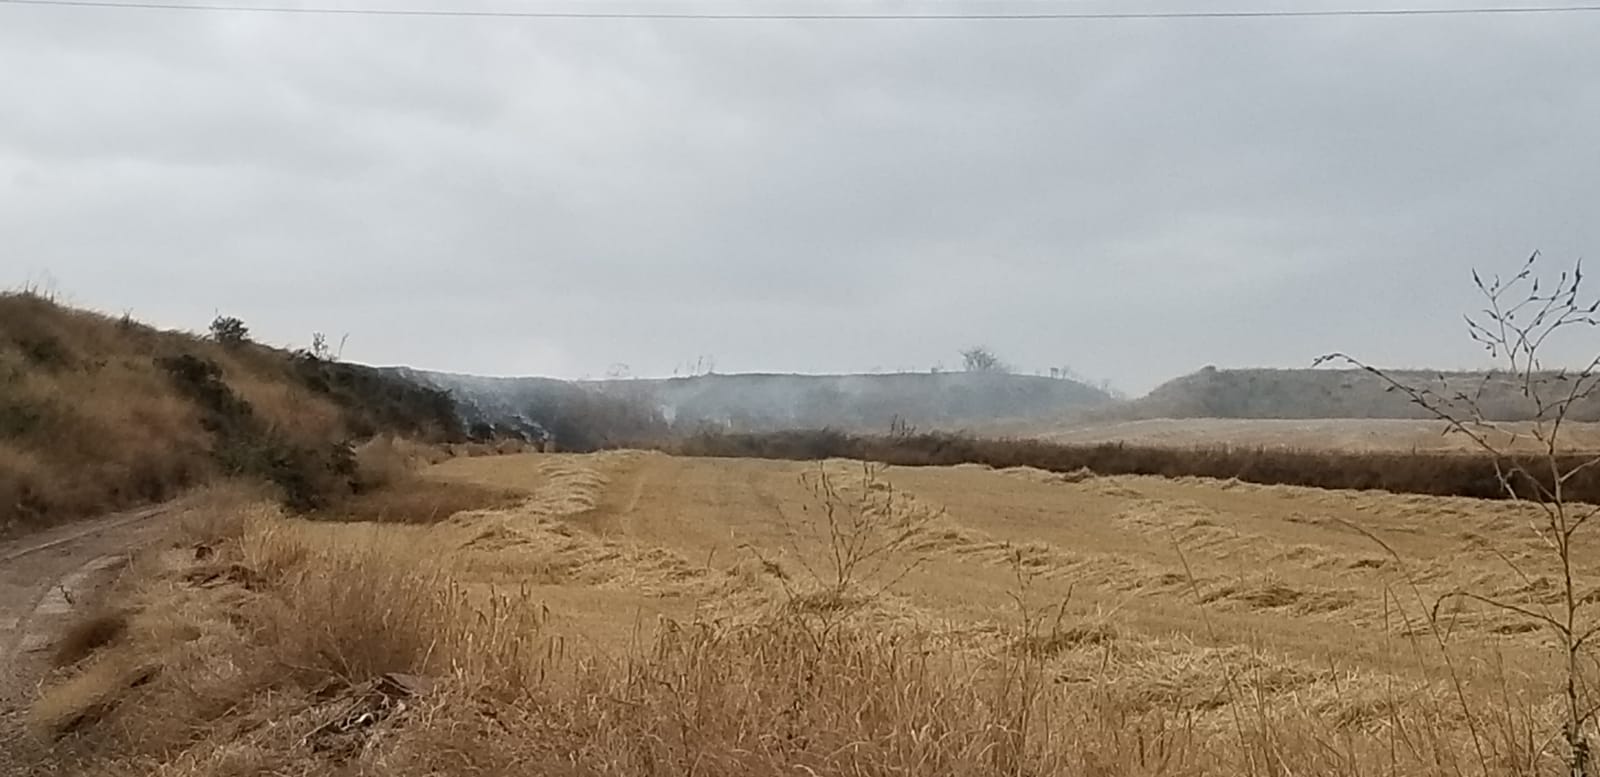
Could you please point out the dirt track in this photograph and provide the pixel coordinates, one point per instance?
(43, 577)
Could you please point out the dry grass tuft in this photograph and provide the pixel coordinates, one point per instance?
(419, 499)
(1037, 475)
(87, 635)
(388, 459)
(89, 696)
(1269, 593)
(380, 462)
(219, 512)
(1059, 641)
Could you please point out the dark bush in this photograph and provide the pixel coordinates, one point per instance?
(20, 417)
(1438, 474)
(44, 350)
(201, 380)
(243, 445)
(229, 330)
(376, 400)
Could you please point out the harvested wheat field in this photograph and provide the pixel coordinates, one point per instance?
(636, 613)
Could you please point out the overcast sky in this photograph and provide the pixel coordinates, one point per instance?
(1134, 199)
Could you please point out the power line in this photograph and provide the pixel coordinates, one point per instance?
(703, 16)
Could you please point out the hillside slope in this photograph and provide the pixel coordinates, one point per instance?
(1311, 393)
(98, 413)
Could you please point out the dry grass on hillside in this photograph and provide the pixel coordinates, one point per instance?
(98, 414)
(464, 647)
(91, 423)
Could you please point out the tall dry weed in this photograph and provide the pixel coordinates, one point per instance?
(1518, 326)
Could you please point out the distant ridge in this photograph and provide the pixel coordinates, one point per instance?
(1317, 393)
(584, 415)
(944, 399)
(767, 401)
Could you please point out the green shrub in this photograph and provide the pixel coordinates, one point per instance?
(229, 330)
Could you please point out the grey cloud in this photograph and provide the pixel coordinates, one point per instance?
(1136, 200)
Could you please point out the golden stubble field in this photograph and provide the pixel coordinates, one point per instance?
(1208, 600)
(1170, 576)
(1149, 626)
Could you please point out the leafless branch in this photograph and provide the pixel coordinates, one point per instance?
(1520, 317)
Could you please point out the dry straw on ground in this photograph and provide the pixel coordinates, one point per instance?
(288, 646)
